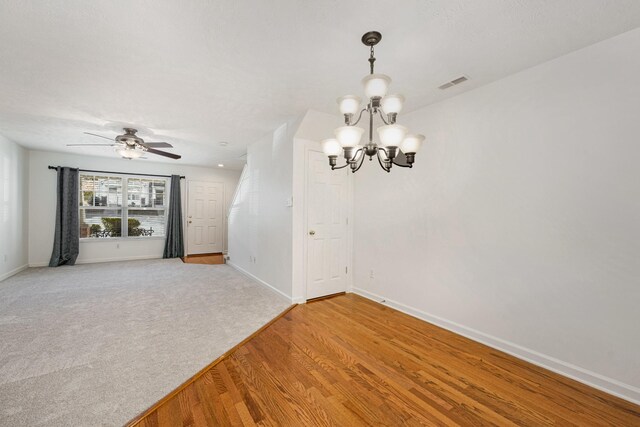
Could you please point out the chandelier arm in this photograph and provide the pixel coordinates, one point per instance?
(355, 155)
(380, 160)
(360, 165)
(351, 160)
(401, 165)
(382, 117)
(359, 117)
(333, 168)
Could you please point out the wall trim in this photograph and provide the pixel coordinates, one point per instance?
(38, 264)
(592, 379)
(262, 282)
(13, 272)
(101, 260)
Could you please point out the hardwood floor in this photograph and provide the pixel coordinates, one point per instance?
(347, 361)
(204, 259)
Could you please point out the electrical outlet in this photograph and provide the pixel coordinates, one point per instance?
(117, 245)
(5, 257)
(371, 274)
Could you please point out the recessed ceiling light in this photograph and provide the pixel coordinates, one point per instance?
(220, 165)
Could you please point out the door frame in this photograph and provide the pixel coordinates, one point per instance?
(186, 218)
(315, 146)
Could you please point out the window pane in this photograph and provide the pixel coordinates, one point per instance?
(158, 193)
(145, 193)
(134, 189)
(109, 189)
(134, 185)
(86, 190)
(100, 223)
(140, 192)
(101, 199)
(100, 191)
(146, 222)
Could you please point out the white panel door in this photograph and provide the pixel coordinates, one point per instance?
(204, 217)
(327, 208)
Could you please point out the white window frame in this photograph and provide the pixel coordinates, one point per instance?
(124, 230)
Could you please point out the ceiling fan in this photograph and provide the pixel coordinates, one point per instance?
(131, 146)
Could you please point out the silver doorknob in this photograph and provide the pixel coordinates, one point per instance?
(312, 233)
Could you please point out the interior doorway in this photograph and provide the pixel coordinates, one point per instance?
(205, 220)
(327, 227)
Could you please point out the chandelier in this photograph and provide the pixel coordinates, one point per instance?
(393, 137)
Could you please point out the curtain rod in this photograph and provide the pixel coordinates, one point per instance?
(120, 173)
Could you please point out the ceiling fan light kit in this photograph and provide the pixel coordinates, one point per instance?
(392, 137)
(130, 152)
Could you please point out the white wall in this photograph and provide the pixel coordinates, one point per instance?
(520, 223)
(266, 232)
(42, 204)
(260, 219)
(14, 176)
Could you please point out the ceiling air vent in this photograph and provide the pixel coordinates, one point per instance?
(454, 82)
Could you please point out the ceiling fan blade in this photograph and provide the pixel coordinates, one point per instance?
(99, 136)
(163, 153)
(158, 144)
(91, 145)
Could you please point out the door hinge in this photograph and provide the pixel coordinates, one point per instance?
(347, 221)
(346, 270)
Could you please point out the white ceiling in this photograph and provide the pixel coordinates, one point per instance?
(194, 73)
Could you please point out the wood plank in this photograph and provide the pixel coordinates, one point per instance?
(211, 259)
(204, 371)
(350, 361)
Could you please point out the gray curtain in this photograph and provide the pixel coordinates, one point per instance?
(174, 242)
(66, 244)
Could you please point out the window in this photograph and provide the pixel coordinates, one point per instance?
(122, 206)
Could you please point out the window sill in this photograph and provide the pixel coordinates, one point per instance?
(119, 239)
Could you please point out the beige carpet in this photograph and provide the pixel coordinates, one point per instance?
(97, 344)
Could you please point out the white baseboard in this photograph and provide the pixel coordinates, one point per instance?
(298, 300)
(130, 258)
(262, 282)
(595, 380)
(100, 260)
(13, 272)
